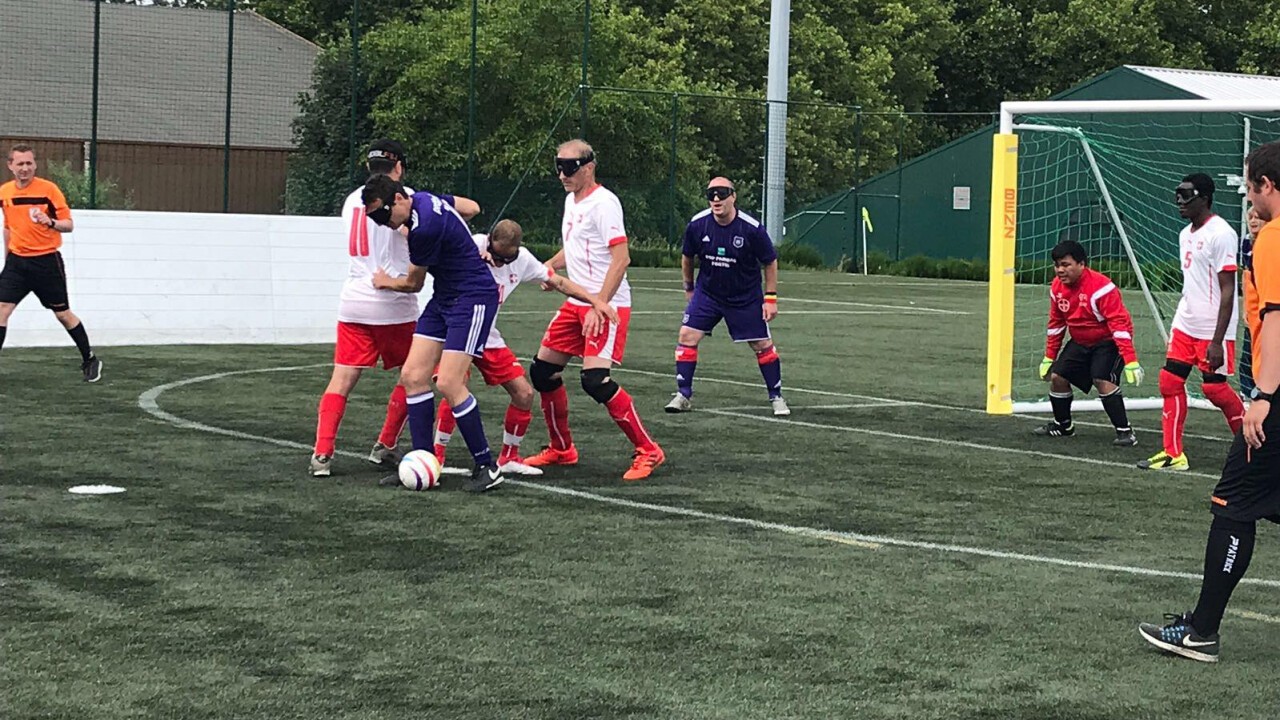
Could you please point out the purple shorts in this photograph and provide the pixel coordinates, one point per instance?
(461, 323)
(745, 322)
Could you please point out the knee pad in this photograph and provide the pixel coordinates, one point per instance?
(1172, 384)
(543, 375)
(1214, 378)
(597, 383)
(1180, 369)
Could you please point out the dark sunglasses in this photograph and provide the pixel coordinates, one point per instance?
(1185, 193)
(570, 166)
(719, 192)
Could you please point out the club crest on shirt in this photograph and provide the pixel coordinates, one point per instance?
(720, 251)
(1064, 305)
(738, 241)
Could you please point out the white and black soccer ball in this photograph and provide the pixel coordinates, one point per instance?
(420, 470)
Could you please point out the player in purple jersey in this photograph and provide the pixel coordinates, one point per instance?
(732, 250)
(456, 321)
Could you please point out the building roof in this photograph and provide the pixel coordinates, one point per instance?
(162, 76)
(1214, 85)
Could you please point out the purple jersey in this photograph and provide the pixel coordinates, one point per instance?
(731, 257)
(440, 241)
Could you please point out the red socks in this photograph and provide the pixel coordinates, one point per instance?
(555, 409)
(397, 413)
(514, 426)
(332, 406)
(1174, 391)
(1226, 400)
(623, 411)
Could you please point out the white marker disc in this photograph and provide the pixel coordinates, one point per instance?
(95, 490)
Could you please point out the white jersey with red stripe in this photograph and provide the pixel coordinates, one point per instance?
(591, 226)
(1204, 252)
(372, 246)
(525, 268)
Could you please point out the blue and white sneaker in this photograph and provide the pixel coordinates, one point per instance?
(1180, 638)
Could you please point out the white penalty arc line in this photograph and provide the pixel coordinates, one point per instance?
(893, 402)
(940, 441)
(148, 402)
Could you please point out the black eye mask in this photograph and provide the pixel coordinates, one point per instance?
(719, 192)
(381, 216)
(1185, 193)
(570, 166)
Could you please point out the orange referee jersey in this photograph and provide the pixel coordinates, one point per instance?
(27, 237)
(1262, 293)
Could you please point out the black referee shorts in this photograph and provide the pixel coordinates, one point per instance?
(1081, 365)
(44, 275)
(1250, 486)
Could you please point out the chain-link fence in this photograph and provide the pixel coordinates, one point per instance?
(217, 109)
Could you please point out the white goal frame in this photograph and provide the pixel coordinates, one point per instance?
(1004, 223)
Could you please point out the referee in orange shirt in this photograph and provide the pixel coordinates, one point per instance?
(35, 216)
(1249, 489)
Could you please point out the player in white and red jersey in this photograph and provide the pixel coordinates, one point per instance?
(596, 256)
(1088, 306)
(1204, 327)
(511, 265)
(373, 324)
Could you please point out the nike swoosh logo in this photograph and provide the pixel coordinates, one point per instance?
(1188, 642)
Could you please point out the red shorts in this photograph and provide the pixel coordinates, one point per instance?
(564, 334)
(1185, 349)
(498, 366)
(361, 345)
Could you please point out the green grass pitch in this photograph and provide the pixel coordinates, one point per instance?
(886, 552)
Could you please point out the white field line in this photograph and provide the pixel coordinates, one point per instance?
(943, 441)
(147, 401)
(855, 406)
(893, 402)
(1250, 615)
(1075, 421)
(899, 308)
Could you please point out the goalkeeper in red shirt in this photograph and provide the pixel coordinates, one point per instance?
(1088, 306)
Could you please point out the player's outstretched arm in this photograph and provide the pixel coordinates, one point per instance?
(410, 283)
(466, 207)
(557, 261)
(565, 286)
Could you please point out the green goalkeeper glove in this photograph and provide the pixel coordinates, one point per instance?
(1045, 365)
(1133, 373)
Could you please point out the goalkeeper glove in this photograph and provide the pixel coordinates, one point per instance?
(1045, 365)
(1133, 373)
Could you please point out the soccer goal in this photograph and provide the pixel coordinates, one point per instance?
(1102, 173)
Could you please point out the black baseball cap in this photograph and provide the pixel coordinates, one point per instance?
(387, 150)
